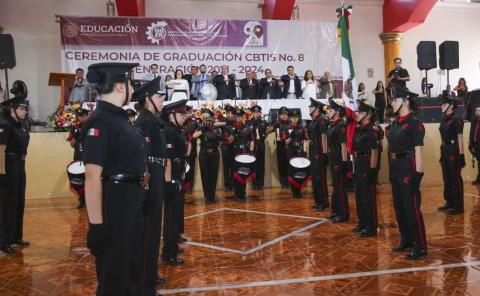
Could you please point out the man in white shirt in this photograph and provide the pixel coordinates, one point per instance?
(292, 88)
(154, 74)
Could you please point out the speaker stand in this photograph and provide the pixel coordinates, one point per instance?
(448, 82)
(7, 91)
(427, 86)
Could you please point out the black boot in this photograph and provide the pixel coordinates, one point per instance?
(416, 253)
(402, 247)
(455, 211)
(445, 207)
(7, 249)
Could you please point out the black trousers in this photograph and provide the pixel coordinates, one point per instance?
(319, 176)
(259, 165)
(14, 199)
(180, 213)
(239, 190)
(209, 161)
(282, 163)
(380, 104)
(170, 223)
(452, 179)
(227, 159)
(118, 268)
(406, 201)
(3, 197)
(153, 227)
(190, 176)
(365, 195)
(292, 152)
(340, 206)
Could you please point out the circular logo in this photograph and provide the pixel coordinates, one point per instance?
(156, 32)
(70, 30)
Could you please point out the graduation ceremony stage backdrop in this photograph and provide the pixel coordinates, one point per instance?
(180, 43)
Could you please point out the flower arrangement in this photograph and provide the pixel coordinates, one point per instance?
(63, 120)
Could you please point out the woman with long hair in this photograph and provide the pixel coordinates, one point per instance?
(380, 102)
(461, 88)
(180, 86)
(361, 91)
(309, 86)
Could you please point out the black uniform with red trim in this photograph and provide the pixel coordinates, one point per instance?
(404, 134)
(174, 193)
(209, 157)
(75, 133)
(451, 161)
(15, 136)
(151, 126)
(337, 135)
(189, 128)
(243, 136)
(106, 131)
(364, 177)
(259, 127)
(318, 158)
(474, 144)
(281, 128)
(227, 152)
(297, 135)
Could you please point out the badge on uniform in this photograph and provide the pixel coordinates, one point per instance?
(95, 132)
(1, 130)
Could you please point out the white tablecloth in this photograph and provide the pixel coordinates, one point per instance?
(266, 105)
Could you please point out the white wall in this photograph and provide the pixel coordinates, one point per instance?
(446, 24)
(37, 37)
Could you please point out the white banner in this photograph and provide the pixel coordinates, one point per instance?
(181, 43)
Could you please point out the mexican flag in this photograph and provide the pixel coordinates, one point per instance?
(94, 132)
(349, 94)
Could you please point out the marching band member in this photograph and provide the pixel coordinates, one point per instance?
(260, 130)
(295, 148)
(281, 127)
(337, 155)
(317, 134)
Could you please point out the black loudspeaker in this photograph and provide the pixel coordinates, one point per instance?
(449, 55)
(7, 52)
(426, 55)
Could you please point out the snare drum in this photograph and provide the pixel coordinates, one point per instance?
(244, 167)
(76, 176)
(298, 171)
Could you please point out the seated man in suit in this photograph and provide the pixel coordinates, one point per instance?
(249, 87)
(225, 84)
(269, 87)
(292, 88)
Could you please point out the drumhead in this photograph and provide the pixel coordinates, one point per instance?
(300, 162)
(245, 158)
(76, 168)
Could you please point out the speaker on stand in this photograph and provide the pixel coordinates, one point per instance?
(7, 58)
(426, 60)
(449, 58)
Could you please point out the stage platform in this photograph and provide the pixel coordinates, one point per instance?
(50, 153)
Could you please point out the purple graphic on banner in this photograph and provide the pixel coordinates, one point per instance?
(128, 31)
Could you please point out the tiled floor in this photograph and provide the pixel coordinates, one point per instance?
(270, 245)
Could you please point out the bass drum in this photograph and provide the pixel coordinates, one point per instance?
(244, 167)
(76, 177)
(298, 171)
